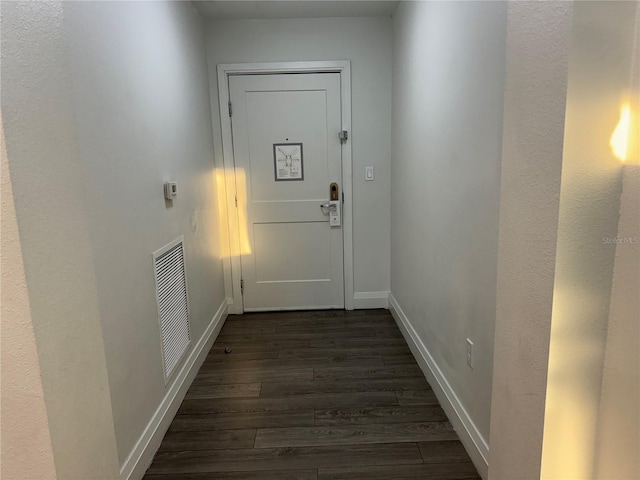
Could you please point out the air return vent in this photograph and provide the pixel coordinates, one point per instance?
(173, 307)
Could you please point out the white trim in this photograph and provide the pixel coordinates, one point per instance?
(370, 300)
(296, 308)
(471, 438)
(229, 177)
(344, 69)
(145, 448)
(232, 308)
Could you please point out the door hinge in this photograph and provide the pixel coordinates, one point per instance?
(230, 109)
(236, 201)
(343, 197)
(344, 136)
(241, 286)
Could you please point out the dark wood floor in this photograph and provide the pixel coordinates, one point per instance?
(326, 395)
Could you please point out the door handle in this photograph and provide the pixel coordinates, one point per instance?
(334, 212)
(332, 206)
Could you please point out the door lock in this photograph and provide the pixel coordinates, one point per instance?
(333, 205)
(333, 191)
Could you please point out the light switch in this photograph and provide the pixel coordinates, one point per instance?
(368, 174)
(170, 190)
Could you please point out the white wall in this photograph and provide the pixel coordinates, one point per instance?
(26, 441)
(48, 190)
(135, 107)
(366, 42)
(601, 56)
(618, 433)
(142, 103)
(534, 112)
(448, 79)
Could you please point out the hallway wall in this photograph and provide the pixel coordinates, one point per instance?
(537, 58)
(366, 42)
(600, 62)
(448, 80)
(26, 450)
(142, 103)
(618, 436)
(132, 111)
(48, 191)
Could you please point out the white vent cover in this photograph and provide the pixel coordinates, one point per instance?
(173, 307)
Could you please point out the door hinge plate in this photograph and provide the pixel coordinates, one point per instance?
(241, 286)
(343, 135)
(236, 201)
(230, 109)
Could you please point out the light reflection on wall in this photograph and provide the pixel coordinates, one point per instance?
(229, 247)
(601, 131)
(625, 136)
(243, 227)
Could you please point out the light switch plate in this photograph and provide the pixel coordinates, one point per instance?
(368, 174)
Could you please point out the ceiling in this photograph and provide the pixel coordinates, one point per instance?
(241, 9)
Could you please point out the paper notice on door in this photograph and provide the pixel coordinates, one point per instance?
(287, 159)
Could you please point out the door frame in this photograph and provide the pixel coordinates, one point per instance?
(233, 267)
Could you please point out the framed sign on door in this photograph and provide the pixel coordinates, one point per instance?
(287, 161)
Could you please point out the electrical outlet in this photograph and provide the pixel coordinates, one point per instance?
(469, 353)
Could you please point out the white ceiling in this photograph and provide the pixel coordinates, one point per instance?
(242, 9)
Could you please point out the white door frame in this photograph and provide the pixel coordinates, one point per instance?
(226, 70)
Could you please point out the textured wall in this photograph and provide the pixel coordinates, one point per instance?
(534, 111)
(618, 441)
(102, 102)
(601, 53)
(26, 443)
(48, 189)
(619, 417)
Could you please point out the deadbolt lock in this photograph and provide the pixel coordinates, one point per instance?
(333, 191)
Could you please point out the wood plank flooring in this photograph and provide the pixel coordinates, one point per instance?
(322, 395)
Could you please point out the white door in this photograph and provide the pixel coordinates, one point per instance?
(287, 153)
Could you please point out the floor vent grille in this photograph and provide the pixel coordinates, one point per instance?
(173, 305)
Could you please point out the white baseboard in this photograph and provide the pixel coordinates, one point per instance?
(294, 309)
(142, 454)
(370, 300)
(473, 441)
